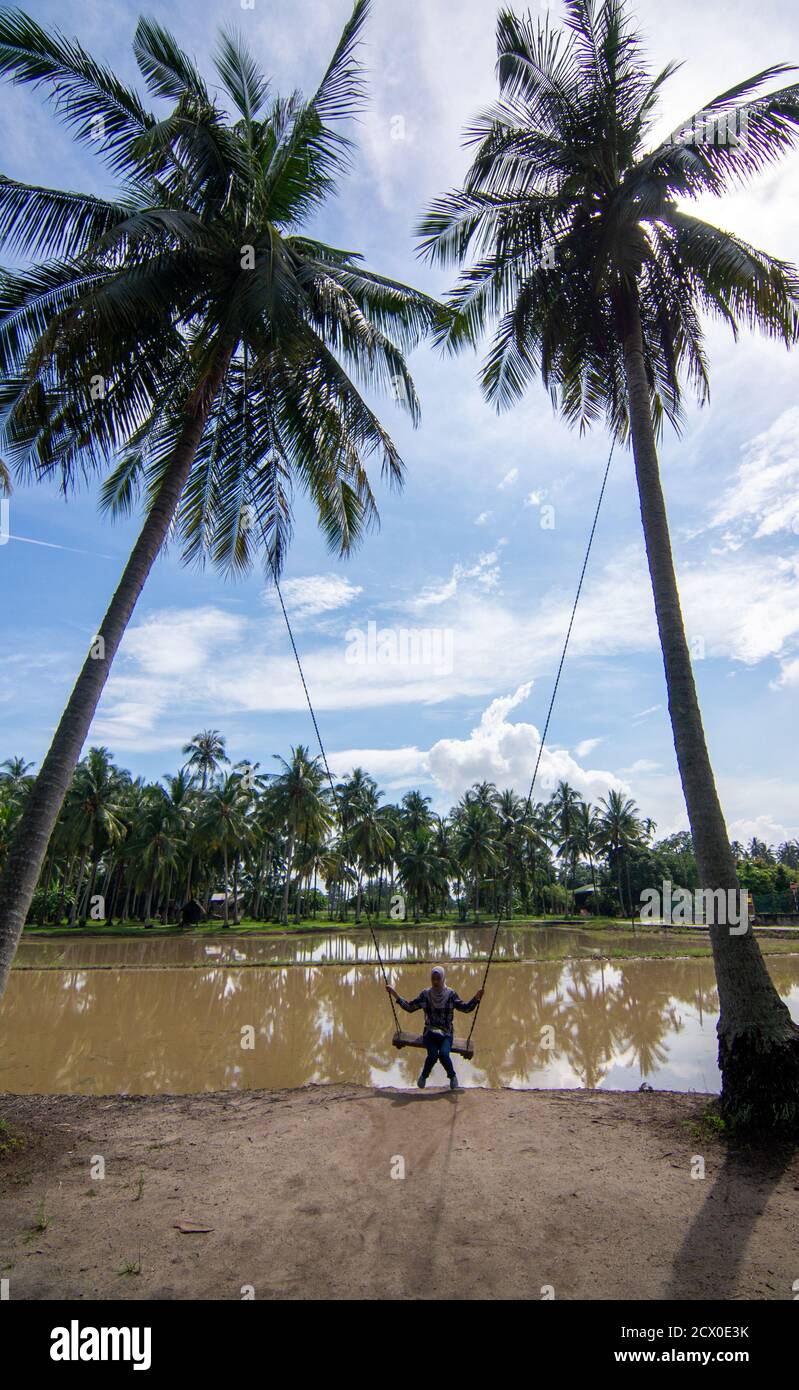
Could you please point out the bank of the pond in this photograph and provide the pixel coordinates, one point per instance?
(343, 1191)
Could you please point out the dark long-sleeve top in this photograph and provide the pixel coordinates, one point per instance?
(438, 1018)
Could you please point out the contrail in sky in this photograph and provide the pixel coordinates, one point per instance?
(51, 545)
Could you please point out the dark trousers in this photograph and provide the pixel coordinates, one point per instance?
(438, 1051)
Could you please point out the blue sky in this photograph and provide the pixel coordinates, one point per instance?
(482, 549)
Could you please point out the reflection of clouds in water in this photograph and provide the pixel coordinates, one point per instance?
(325, 1023)
(344, 946)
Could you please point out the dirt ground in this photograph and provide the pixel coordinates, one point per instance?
(504, 1193)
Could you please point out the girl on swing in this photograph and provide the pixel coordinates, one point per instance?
(439, 1003)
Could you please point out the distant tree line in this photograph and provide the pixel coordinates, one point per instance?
(237, 841)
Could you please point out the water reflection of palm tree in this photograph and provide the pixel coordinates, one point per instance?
(586, 1024)
(180, 1029)
(644, 1013)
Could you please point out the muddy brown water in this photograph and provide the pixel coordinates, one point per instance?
(121, 1016)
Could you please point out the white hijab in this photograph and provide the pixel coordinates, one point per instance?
(438, 992)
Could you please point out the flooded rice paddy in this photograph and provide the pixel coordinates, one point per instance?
(187, 1014)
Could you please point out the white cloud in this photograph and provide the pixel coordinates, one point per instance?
(210, 661)
(311, 594)
(763, 498)
(390, 766)
(789, 675)
(483, 519)
(508, 480)
(587, 746)
(177, 642)
(505, 753)
(759, 827)
(485, 573)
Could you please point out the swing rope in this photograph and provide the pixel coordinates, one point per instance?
(333, 788)
(540, 746)
(551, 707)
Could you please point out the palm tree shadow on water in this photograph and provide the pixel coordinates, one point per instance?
(719, 1235)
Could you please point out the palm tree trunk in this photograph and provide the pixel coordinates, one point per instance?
(758, 1043)
(165, 913)
(87, 904)
(114, 886)
(78, 891)
(46, 888)
(284, 915)
(300, 879)
(29, 847)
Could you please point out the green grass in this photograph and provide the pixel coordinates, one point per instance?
(41, 1223)
(614, 937)
(322, 924)
(8, 1141)
(709, 1126)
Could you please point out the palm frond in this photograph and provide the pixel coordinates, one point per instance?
(86, 96)
(166, 69)
(246, 85)
(38, 221)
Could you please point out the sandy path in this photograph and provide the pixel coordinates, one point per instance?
(504, 1192)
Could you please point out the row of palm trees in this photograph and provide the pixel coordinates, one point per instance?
(192, 340)
(273, 845)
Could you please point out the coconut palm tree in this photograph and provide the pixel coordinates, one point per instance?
(159, 847)
(195, 328)
(301, 804)
(619, 832)
(368, 840)
(226, 827)
(565, 802)
(585, 249)
(95, 819)
(415, 812)
(184, 801)
(475, 843)
(586, 835)
(206, 754)
(422, 869)
(16, 775)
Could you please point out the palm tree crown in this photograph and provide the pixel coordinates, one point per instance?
(576, 226)
(198, 271)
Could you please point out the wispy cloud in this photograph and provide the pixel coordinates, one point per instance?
(313, 594)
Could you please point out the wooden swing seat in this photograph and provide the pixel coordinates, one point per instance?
(461, 1048)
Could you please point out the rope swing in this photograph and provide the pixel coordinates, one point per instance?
(400, 1038)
